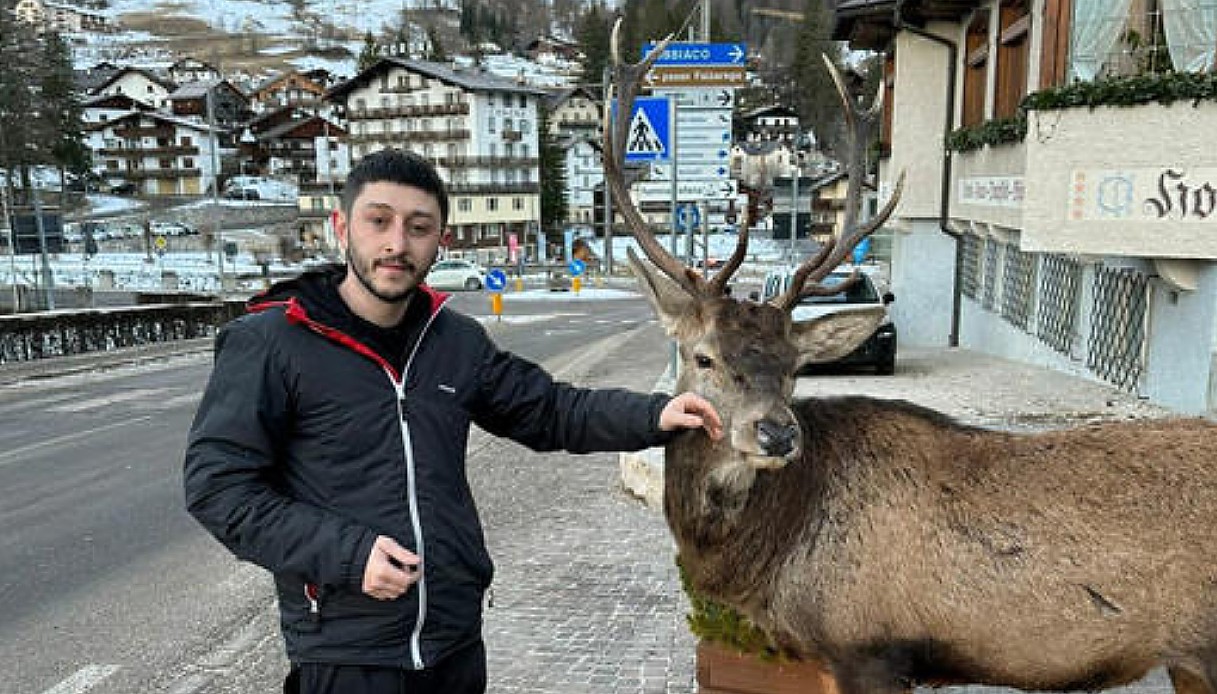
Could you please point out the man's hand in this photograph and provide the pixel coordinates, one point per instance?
(690, 411)
(391, 570)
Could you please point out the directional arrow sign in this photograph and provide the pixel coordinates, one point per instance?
(667, 76)
(699, 53)
(658, 191)
(691, 172)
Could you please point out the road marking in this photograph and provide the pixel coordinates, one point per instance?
(170, 403)
(121, 396)
(14, 455)
(32, 403)
(83, 679)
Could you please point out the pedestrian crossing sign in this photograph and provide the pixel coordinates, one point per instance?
(649, 136)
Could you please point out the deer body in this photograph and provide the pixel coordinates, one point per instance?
(905, 544)
(896, 544)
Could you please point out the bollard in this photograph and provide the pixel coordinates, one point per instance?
(575, 284)
(519, 284)
(496, 304)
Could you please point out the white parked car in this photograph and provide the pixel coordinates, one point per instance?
(879, 350)
(456, 274)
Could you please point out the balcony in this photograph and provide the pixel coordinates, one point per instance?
(482, 161)
(494, 188)
(153, 131)
(459, 108)
(412, 136)
(140, 174)
(513, 135)
(137, 152)
(1113, 180)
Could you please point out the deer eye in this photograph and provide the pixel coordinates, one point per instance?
(703, 362)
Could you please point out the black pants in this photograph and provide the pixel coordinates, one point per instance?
(463, 672)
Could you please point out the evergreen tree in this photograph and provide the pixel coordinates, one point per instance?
(812, 93)
(435, 46)
(370, 53)
(61, 110)
(593, 36)
(20, 143)
(553, 173)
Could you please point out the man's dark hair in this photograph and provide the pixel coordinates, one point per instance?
(395, 166)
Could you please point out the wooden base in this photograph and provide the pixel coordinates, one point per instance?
(724, 671)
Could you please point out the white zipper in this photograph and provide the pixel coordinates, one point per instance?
(416, 652)
(420, 548)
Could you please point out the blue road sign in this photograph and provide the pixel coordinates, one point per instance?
(649, 136)
(687, 217)
(576, 267)
(496, 280)
(685, 54)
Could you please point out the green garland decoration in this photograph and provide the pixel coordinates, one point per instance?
(721, 624)
(1132, 90)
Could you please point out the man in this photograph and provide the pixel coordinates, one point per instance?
(329, 446)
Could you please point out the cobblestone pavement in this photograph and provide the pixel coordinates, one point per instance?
(586, 594)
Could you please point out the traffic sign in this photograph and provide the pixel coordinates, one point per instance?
(695, 76)
(659, 191)
(691, 171)
(685, 99)
(496, 280)
(687, 217)
(160, 243)
(648, 137)
(698, 53)
(576, 267)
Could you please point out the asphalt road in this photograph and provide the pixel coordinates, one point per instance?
(106, 585)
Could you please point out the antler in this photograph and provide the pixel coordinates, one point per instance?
(859, 124)
(627, 80)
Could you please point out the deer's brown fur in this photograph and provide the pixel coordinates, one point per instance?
(903, 547)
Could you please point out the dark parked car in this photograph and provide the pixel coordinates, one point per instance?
(879, 350)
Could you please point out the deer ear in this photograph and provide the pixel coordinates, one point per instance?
(670, 301)
(833, 336)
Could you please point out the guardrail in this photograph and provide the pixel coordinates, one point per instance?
(31, 336)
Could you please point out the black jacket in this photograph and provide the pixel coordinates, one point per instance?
(308, 444)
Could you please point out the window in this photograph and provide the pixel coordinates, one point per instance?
(492, 204)
(1012, 56)
(464, 205)
(188, 162)
(976, 65)
(517, 203)
(490, 124)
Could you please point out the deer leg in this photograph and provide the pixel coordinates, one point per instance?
(1188, 681)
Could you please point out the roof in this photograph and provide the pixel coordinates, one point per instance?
(872, 23)
(158, 116)
(557, 97)
(148, 74)
(774, 110)
(470, 79)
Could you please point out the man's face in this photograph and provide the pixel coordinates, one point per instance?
(391, 238)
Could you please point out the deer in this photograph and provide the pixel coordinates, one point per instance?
(895, 544)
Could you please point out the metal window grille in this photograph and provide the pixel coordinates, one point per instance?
(1116, 350)
(970, 270)
(989, 289)
(1018, 287)
(1060, 299)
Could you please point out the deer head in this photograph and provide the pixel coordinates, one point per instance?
(743, 355)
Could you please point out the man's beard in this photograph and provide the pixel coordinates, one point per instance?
(363, 270)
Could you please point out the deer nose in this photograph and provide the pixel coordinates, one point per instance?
(776, 439)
